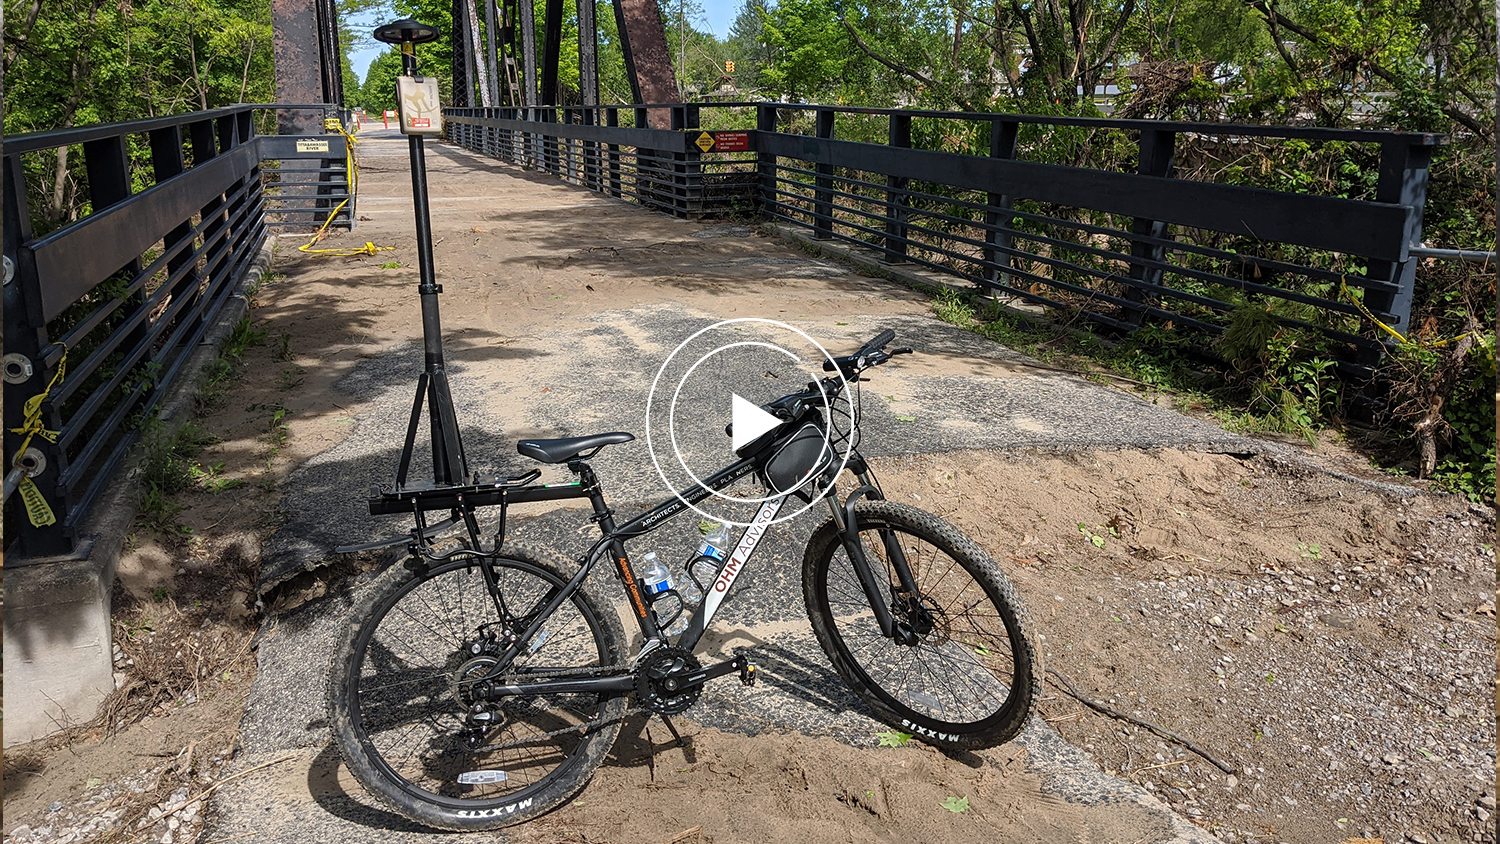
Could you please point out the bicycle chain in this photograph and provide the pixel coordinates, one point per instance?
(576, 672)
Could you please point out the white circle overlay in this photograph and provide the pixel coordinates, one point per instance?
(672, 416)
(672, 407)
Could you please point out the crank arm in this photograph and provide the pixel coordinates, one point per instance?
(740, 664)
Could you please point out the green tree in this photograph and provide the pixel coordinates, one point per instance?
(814, 48)
(378, 92)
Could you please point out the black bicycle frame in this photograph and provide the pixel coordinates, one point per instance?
(463, 501)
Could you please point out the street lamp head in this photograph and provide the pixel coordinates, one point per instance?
(406, 31)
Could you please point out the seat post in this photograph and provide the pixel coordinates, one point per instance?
(602, 514)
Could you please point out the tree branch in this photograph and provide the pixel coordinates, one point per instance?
(896, 66)
(1453, 112)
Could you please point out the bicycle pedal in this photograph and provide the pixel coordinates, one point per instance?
(747, 672)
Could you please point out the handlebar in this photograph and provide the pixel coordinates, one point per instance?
(870, 354)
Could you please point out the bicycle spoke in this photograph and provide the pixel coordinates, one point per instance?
(941, 676)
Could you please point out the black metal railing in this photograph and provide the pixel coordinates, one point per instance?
(108, 293)
(1121, 245)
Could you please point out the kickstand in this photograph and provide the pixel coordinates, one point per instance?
(681, 742)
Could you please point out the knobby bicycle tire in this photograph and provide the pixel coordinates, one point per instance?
(971, 680)
(400, 677)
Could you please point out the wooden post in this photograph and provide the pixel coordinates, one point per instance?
(997, 234)
(1403, 181)
(823, 184)
(765, 163)
(897, 201)
(1157, 150)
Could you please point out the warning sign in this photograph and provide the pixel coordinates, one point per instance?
(311, 145)
(731, 141)
(704, 142)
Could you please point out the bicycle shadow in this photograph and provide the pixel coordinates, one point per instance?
(810, 693)
(328, 792)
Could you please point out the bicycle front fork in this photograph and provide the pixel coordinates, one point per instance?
(904, 588)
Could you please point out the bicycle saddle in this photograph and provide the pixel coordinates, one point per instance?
(569, 448)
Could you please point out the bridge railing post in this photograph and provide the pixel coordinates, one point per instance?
(591, 174)
(1402, 180)
(823, 183)
(687, 166)
(997, 234)
(26, 334)
(167, 162)
(765, 162)
(1157, 150)
(612, 118)
(550, 159)
(647, 168)
(897, 200)
(107, 162)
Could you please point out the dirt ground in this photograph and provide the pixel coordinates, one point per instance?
(1331, 642)
(1360, 712)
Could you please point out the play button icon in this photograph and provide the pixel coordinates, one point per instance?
(749, 423)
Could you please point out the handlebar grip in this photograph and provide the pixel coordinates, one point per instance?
(881, 340)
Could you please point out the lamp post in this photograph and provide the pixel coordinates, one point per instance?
(448, 464)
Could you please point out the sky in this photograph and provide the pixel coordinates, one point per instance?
(716, 18)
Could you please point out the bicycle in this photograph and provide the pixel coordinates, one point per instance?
(481, 685)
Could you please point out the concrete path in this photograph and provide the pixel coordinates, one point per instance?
(559, 307)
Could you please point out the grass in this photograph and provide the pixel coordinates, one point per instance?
(1153, 359)
(215, 379)
(169, 464)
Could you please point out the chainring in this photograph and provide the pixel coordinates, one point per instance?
(656, 679)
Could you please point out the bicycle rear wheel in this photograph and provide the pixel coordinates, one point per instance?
(971, 677)
(401, 692)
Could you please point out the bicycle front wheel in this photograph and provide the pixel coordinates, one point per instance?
(402, 699)
(969, 677)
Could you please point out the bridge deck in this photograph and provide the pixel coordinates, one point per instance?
(558, 306)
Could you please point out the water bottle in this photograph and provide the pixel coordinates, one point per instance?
(658, 580)
(655, 573)
(715, 540)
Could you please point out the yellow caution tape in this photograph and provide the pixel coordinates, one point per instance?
(351, 165)
(1400, 338)
(32, 411)
(37, 510)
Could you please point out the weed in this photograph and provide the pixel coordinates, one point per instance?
(951, 308)
(956, 805)
(1309, 552)
(291, 378)
(213, 384)
(391, 265)
(1098, 538)
(244, 335)
(893, 738)
(158, 511)
(210, 478)
(159, 594)
(279, 429)
(284, 348)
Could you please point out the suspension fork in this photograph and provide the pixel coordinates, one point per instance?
(848, 524)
